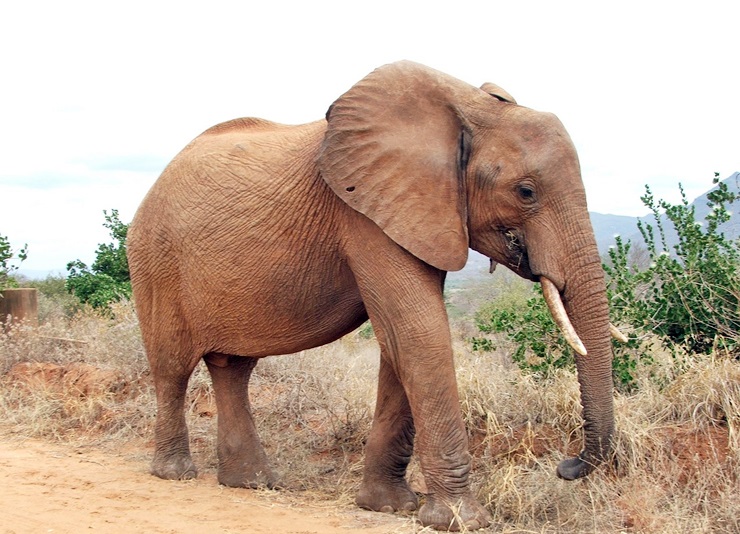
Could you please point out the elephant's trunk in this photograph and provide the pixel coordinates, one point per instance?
(586, 304)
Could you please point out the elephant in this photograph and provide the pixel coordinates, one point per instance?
(262, 239)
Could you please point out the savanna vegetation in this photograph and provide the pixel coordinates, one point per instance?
(10, 260)
(82, 376)
(108, 279)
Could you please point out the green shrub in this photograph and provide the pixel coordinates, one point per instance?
(366, 331)
(539, 346)
(6, 267)
(108, 280)
(690, 296)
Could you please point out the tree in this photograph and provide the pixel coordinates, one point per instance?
(108, 280)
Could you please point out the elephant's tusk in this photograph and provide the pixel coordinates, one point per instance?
(616, 334)
(557, 310)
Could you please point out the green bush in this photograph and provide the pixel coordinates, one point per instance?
(108, 280)
(690, 296)
(366, 331)
(6, 266)
(539, 346)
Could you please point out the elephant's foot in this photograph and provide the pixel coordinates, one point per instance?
(253, 478)
(465, 514)
(174, 467)
(573, 468)
(387, 497)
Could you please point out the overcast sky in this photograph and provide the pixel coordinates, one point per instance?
(96, 98)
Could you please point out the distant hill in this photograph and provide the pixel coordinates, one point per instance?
(607, 226)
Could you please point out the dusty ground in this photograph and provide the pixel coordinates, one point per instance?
(62, 489)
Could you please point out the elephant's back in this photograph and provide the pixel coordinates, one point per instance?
(235, 188)
(233, 168)
(244, 152)
(244, 124)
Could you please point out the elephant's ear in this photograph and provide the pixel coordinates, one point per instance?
(497, 92)
(396, 150)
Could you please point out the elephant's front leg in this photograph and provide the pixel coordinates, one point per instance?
(389, 447)
(410, 320)
(427, 374)
(242, 461)
(442, 447)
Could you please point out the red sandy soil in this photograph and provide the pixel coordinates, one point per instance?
(66, 489)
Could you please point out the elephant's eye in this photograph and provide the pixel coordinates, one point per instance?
(526, 193)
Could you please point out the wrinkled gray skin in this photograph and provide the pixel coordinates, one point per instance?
(262, 239)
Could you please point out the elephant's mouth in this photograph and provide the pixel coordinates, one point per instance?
(515, 255)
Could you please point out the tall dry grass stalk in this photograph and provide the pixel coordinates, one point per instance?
(676, 466)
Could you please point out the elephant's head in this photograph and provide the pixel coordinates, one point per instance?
(442, 166)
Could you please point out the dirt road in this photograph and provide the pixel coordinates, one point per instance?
(53, 488)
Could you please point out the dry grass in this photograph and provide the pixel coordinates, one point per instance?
(676, 466)
(81, 379)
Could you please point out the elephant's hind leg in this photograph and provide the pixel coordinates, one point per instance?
(242, 461)
(172, 458)
(389, 447)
